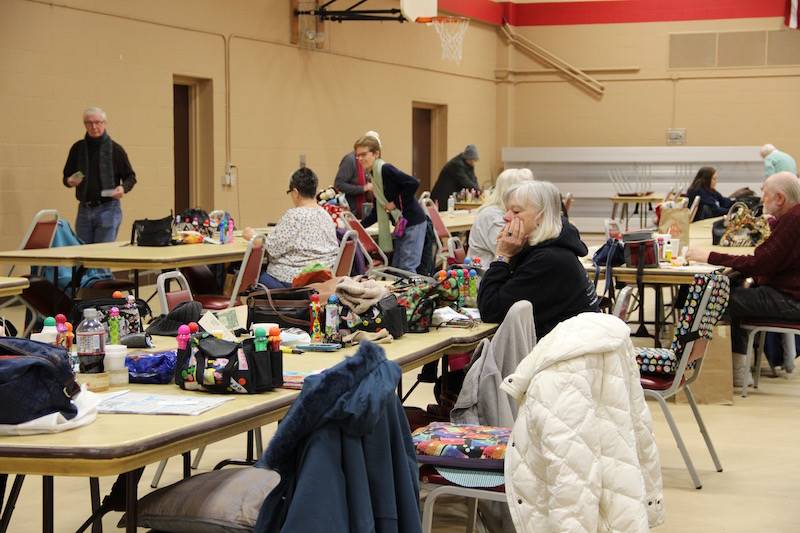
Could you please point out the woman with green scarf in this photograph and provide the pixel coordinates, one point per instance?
(394, 197)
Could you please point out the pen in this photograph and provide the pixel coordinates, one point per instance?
(289, 349)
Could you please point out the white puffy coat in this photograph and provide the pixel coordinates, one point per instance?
(582, 455)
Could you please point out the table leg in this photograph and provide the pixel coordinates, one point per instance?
(658, 317)
(641, 331)
(131, 487)
(47, 504)
(8, 510)
(613, 210)
(187, 464)
(136, 282)
(94, 491)
(625, 215)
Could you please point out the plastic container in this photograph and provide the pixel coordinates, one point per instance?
(451, 202)
(90, 339)
(115, 357)
(118, 377)
(49, 333)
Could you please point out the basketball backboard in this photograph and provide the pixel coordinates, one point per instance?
(414, 9)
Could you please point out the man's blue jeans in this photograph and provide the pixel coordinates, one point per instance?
(99, 223)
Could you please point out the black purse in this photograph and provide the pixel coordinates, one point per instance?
(215, 365)
(289, 308)
(36, 379)
(393, 316)
(148, 232)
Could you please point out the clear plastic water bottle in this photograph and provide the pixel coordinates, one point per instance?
(90, 339)
(451, 202)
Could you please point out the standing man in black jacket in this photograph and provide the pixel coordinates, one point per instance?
(456, 174)
(101, 173)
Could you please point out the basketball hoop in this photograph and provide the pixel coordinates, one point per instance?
(451, 31)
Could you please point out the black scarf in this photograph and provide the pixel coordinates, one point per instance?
(105, 160)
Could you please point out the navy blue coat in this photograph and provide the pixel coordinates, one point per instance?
(345, 454)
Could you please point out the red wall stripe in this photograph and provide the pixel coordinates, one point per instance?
(613, 11)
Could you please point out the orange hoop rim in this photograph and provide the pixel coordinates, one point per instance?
(441, 20)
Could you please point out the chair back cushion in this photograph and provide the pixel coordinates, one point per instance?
(461, 446)
(705, 304)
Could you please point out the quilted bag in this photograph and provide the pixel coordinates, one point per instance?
(421, 299)
(36, 379)
(461, 446)
(664, 361)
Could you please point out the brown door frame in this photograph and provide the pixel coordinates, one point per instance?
(438, 136)
(201, 141)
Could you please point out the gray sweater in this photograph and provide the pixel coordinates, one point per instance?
(483, 235)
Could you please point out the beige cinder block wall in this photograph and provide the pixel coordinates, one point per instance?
(732, 106)
(57, 58)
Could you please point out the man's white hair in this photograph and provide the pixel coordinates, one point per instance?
(787, 184)
(767, 149)
(91, 111)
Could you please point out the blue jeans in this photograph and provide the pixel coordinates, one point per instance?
(271, 282)
(100, 223)
(408, 249)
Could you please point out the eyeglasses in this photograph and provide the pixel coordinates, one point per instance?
(362, 155)
(288, 191)
(93, 122)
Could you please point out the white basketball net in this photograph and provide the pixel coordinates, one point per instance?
(451, 32)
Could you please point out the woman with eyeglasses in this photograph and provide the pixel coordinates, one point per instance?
(394, 198)
(305, 234)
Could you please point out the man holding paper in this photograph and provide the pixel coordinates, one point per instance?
(101, 173)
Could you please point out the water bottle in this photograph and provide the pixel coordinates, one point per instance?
(91, 341)
(332, 316)
(451, 202)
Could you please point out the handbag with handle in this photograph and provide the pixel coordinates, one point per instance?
(286, 307)
(400, 226)
(36, 379)
(740, 227)
(148, 232)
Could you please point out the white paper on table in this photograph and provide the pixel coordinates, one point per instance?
(446, 314)
(140, 403)
(210, 323)
(86, 401)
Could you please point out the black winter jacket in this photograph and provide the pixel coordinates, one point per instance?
(549, 275)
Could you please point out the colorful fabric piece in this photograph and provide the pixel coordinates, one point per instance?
(664, 361)
(461, 446)
(422, 299)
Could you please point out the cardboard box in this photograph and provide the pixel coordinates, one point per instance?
(715, 384)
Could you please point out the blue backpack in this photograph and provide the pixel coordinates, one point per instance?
(36, 379)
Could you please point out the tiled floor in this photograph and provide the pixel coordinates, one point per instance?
(756, 439)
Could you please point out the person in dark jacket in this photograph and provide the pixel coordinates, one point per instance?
(456, 174)
(712, 203)
(394, 196)
(105, 177)
(354, 181)
(344, 453)
(536, 259)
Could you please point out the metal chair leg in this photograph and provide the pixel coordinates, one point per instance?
(259, 445)
(702, 426)
(197, 457)
(678, 439)
(159, 472)
(472, 514)
(761, 343)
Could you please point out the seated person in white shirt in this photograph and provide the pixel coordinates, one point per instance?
(489, 221)
(305, 234)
